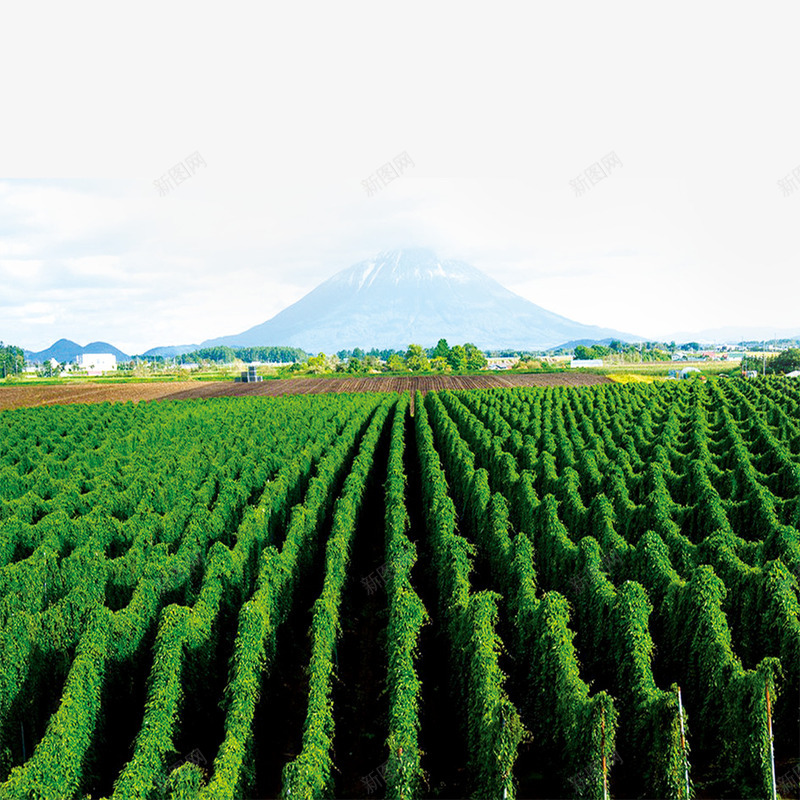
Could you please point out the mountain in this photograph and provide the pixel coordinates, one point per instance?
(67, 350)
(411, 296)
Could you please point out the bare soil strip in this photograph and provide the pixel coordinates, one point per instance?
(26, 396)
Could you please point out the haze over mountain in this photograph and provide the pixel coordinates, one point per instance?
(411, 296)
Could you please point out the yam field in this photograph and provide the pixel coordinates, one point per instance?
(561, 592)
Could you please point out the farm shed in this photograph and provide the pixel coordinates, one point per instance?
(249, 376)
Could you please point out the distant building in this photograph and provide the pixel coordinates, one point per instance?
(687, 371)
(97, 363)
(586, 362)
(502, 362)
(795, 373)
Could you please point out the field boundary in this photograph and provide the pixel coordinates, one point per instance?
(49, 394)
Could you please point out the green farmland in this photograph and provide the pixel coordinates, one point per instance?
(560, 592)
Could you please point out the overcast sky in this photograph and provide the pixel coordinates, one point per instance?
(291, 107)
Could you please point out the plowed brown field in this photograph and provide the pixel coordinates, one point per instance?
(19, 396)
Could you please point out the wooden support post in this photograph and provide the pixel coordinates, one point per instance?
(771, 745)
(683, 744)
(605, 768)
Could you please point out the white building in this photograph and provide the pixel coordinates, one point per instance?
(96, 363)
(586, 362)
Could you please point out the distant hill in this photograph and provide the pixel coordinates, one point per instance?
(571, 345)
(732, 334)
(172, 351)
(411, 296)
(65, 350)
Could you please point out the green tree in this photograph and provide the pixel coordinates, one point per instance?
(396, 363)
(371, 362)
(442, 349)
(582, 352)
(786, 361)
(48, 370)
(458, 358)
(417, 359)
(439, 364)
(316, 364)
(12, 360)
(475, 357)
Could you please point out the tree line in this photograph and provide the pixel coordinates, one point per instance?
(12, 360)
(647, 351)
(786, 361)
(223, 354)
(441, 358)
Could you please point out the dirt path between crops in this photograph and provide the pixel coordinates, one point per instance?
(26, 396)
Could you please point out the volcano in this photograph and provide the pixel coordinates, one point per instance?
(411, 296)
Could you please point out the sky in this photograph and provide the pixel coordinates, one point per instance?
(277, 119)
